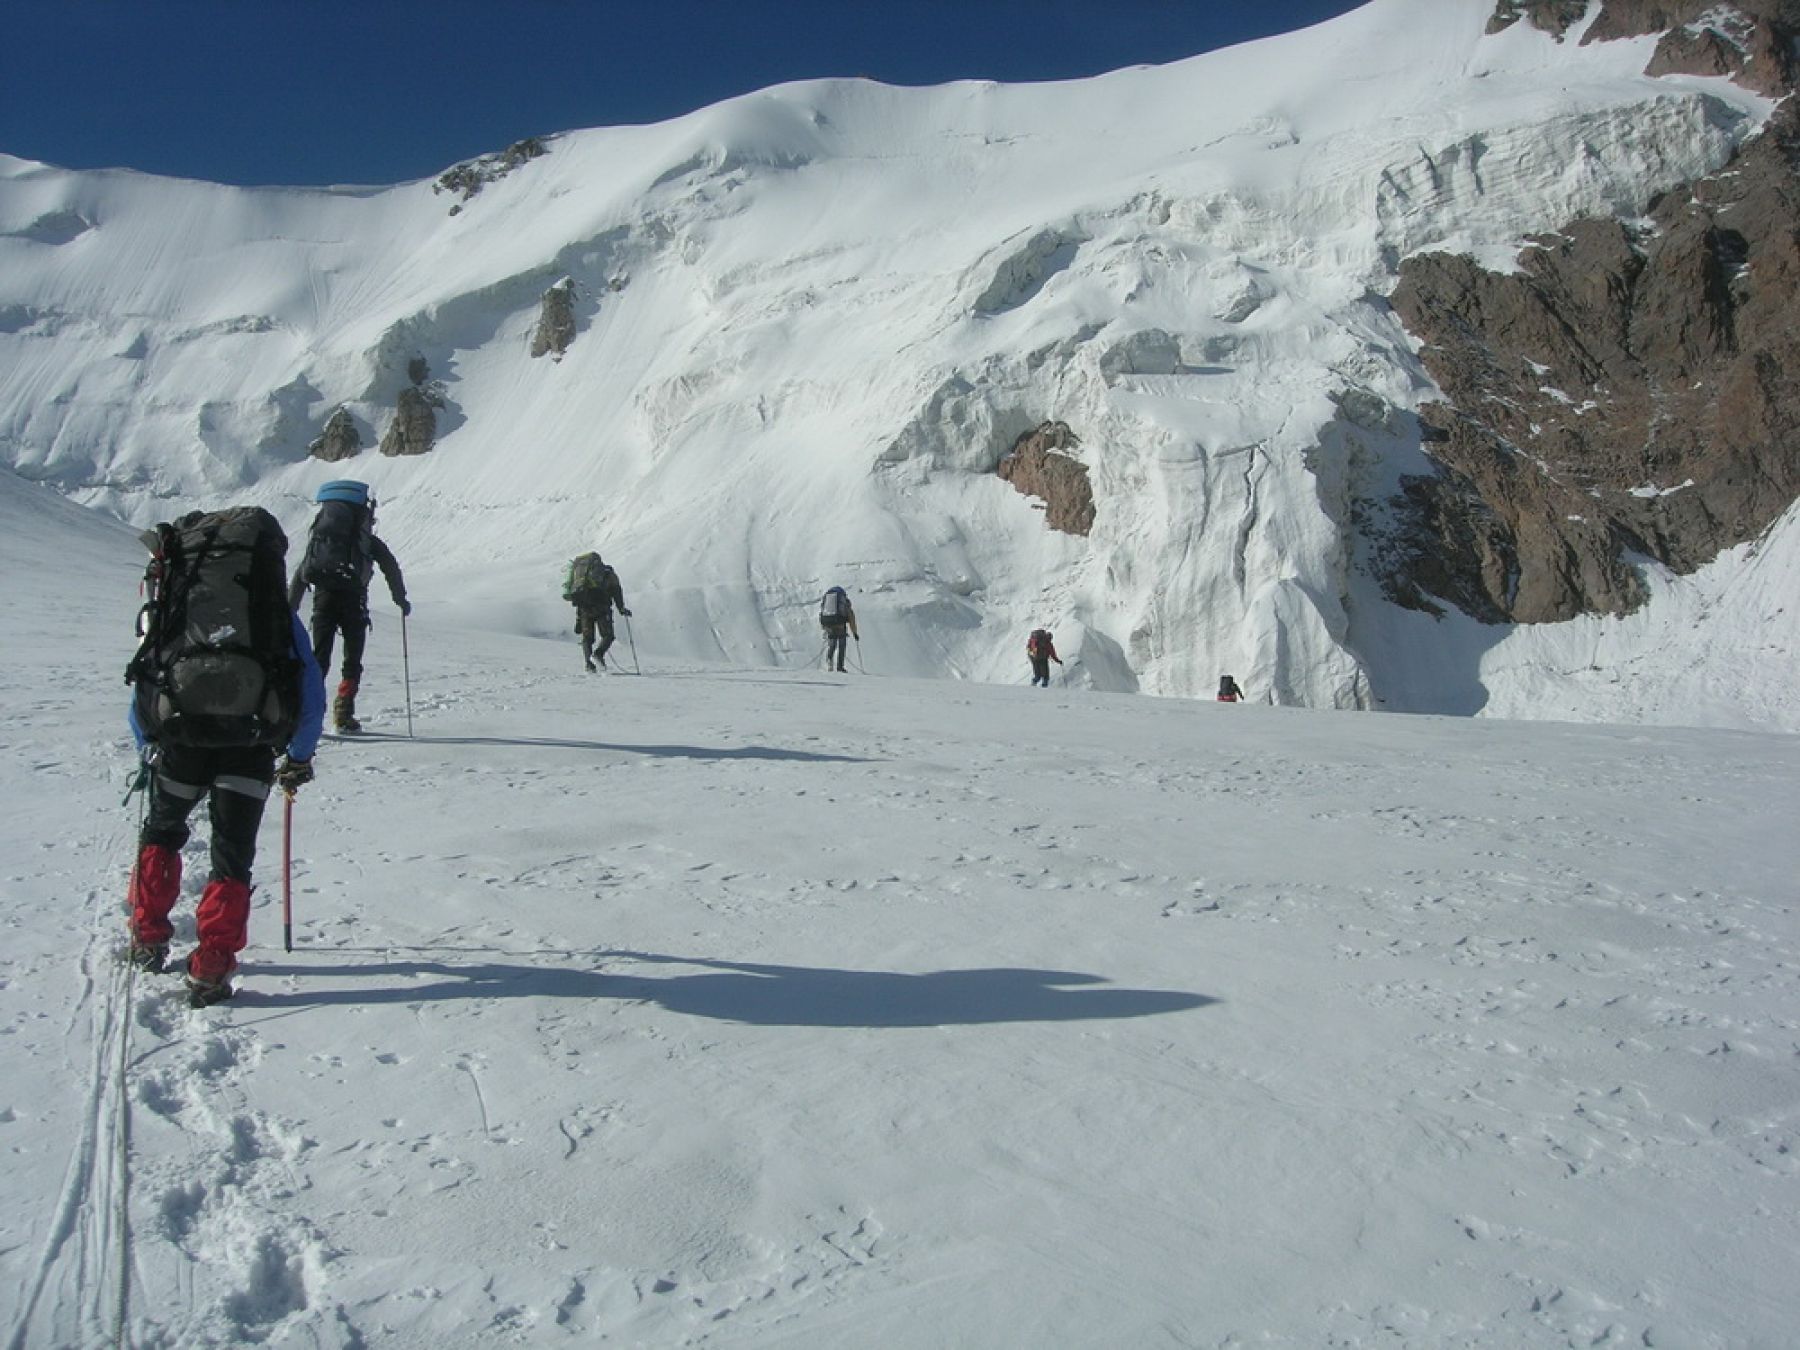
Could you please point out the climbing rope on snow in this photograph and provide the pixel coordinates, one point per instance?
(122, 1161)
(122, 1125)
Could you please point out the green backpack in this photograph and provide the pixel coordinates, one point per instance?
(586, 575)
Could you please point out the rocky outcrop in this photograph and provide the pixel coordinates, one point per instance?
(339, 440)
(1626, 392)
(1037, 467)
(556, 320)
(1753, 41)
(1553, 16)
(467, 179)
(414, 428)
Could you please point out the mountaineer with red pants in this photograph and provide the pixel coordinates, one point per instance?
(225, 677)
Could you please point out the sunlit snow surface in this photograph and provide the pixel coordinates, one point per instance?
(742, 1004)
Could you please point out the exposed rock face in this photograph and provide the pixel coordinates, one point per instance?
(1553, 16)
(1750, 40)
(1628, 391)
(339, 440)
(467, 179)
(414, 428)
(556, 320)
(1036, 467)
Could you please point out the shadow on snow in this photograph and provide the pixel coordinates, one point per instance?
(757, 994)
(660, 751)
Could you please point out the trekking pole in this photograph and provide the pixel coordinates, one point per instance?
(287, 871)
(406, 673)
(859, 664)
(137, 857)
(636, 669)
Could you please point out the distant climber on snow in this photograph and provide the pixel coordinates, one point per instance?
(1228, 690)
(223, 679)
(593, 588)
(1041, 648)
(837, 616)
(342, 553)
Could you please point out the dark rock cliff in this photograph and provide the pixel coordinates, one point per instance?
(1750, 40)
(414, 428)
(1037, 467)
(339, 440)
(1627, 391)
(467, 179)
(556, 320)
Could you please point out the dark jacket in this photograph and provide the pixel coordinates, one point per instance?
(603, 599)
(383, 557)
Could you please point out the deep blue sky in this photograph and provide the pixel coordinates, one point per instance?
(382, 91)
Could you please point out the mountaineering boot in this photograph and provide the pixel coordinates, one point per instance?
(205, 993)
(150, 957)
(222, 923)
(343, 708)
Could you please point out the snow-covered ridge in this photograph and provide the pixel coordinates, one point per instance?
(812, 319)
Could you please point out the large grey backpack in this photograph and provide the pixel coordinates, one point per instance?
(217, 666)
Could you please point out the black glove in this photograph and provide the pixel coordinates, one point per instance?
(293, 774)
(405, 608)
(624, 611)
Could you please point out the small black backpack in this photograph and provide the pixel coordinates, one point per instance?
(339, 554)
(217, 666)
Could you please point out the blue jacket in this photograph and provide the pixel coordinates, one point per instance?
(305, 739)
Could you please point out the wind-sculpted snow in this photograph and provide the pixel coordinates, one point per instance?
(1023, 271)
(811, 321)
(55, 227)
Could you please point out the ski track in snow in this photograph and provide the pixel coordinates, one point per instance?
(752, 1009)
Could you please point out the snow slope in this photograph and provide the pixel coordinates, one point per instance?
(738, 1006)
(813, 319)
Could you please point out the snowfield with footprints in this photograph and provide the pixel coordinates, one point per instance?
(740, 1004)
(742, 1007)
